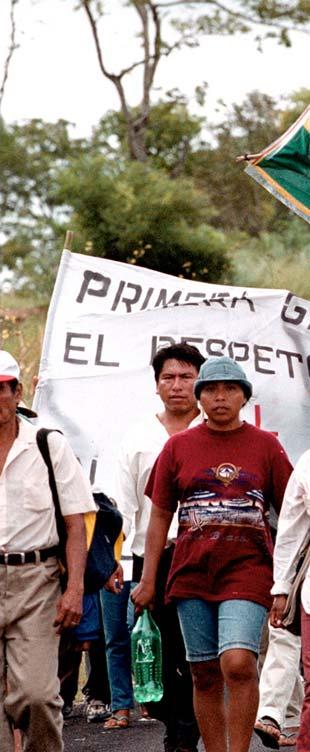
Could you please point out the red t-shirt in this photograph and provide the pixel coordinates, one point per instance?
(224, 483)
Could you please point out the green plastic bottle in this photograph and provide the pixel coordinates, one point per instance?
(146, 659)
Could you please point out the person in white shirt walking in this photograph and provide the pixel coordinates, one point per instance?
(175, 368)
(292, 536)
(33, 611)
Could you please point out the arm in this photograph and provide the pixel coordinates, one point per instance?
(293, 532)
(70, 606)
(125, 493)
(143, 594)
(281, 470)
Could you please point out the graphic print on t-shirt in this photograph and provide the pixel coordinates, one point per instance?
(225, 496)
(226, 472)
(223, 484)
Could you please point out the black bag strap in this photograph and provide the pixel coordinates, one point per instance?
(42, 443)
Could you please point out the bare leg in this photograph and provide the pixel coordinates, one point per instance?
(239, 670)
(208, 695)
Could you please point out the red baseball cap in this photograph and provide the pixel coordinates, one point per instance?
(9, 368)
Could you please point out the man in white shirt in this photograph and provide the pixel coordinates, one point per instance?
(292, 536)
(176, 368)
(33, 612)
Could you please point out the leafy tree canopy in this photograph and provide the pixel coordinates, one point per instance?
(184, 211)
(142, 216)
(168, 25)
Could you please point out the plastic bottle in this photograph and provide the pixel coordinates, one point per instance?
(146, 659)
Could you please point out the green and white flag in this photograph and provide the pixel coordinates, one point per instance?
(283, 168)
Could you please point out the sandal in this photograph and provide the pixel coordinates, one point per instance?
(97, 711)
(118, 720)
(288, 737)
(145, 716)
(268, 731)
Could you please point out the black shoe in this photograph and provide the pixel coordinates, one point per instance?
(67, 711)
(168, 747)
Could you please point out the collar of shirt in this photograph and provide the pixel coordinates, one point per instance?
(26, 436)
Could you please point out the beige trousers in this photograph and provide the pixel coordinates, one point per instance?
(29, 686)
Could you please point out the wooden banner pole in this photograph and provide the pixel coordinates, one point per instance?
(68, 240)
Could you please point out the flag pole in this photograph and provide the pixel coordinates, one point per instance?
(68, 240)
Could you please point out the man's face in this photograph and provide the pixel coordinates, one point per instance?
(175, 386)
(222, 402)
(8, 402)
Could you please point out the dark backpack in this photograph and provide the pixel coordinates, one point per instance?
(101, 562)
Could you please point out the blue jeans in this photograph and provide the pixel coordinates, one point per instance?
(117, 637)
(210, 628)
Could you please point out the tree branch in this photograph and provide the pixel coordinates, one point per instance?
(238, 15)
(12, 47)
(135, 125)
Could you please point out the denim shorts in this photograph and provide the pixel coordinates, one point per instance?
(210, 628)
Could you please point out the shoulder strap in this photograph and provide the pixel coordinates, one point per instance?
(42, 443)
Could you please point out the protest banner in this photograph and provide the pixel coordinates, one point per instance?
(105, 323)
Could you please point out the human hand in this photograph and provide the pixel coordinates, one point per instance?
(69, 609)
(115, 583)
(143, 596)
(277, 611)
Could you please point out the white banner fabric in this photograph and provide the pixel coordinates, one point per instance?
(106, 321)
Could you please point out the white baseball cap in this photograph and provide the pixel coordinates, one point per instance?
(9, 368)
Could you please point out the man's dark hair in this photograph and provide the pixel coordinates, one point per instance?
(182, 352)
(13, 384)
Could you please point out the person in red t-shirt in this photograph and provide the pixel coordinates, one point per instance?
(223, 474)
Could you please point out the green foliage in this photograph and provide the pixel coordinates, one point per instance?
(181, 212)
(170, 136)
(246, 128)
(185, 208)
(277, 260)
(298, 102)
(31, 221)
(21, 333)
(171, 132)
(142, 216)
(268, 18)
(239, 202)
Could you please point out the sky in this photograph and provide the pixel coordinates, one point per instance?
(55, 74)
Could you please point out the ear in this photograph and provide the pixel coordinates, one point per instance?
(19, 392)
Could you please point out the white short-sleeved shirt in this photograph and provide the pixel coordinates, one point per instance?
(138, 452)
(27, 517)
(293, 531)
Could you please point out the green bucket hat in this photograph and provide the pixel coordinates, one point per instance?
(222, 368)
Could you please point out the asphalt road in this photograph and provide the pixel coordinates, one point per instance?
(141, 736)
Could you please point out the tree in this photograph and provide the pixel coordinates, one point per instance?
(239, 203)
(31, 220)
(139, 215)
(171, 134)
(122, 209)
(156, 21)
(248, 127)
(275, 259)
(187, 211)
(297, 103)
